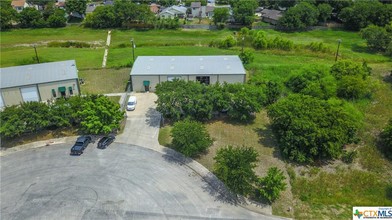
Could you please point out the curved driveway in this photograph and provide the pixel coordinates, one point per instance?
(124, 181)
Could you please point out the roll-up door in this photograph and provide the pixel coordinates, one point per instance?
(30, 94)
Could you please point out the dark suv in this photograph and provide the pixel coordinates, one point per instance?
(105, 141)
(80, 145)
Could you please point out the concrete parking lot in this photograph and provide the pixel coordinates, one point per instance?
(121, 182)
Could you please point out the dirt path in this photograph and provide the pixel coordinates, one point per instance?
(105, 55)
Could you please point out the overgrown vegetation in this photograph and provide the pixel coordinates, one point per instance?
(180, 99)
(190, 138)
(93, 114)
(310, 129)
(386, 140)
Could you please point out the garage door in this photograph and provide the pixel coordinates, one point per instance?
(30, 94)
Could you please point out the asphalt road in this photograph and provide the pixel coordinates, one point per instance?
(121, 182)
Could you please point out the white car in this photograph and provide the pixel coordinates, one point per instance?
(131, 104)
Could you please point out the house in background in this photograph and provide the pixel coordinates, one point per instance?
(173, 11)
(148, 71)
(38, 82)
(154, 8)
(271, 16)
(90, 8)
(197, 10)
(19, 5)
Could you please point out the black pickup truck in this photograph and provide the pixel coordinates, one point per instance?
(80, 144)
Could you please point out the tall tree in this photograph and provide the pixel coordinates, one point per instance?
(31, 18)
(299, 17)
(234, 166)
(309, 129)
(220, 15)
(190, 137)
(325, 11)
(99, 115)
(8, 14)
(244, 10)
(270, 186)
(377, 38)
(78, 6)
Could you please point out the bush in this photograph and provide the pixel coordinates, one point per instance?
(68, 44)
(310, 129)
(352, 79)
(228, 42)
(190, 138)
(318, 47)
(313, 80)
(234, 167)
(180, 99)
(386, 139)
(349, 156)
(247, 56)
(270, 186)
(93, 114)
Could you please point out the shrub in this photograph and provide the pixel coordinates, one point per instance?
(270, 186)
(386, 139)
(228, 42)
(234, 167)
(67, 44)
(349, 156)
(318, 47)
(310, 129)
(247, 56)
(190, 138)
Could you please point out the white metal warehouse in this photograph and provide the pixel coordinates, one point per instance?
(38, 82)
(148, 71)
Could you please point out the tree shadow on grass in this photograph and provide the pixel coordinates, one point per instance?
(388, 78)
(267, 139)
(388, 192)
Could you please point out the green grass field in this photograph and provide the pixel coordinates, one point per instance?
(329, 191)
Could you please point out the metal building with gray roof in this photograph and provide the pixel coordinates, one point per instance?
(148, 71)
(38, 82)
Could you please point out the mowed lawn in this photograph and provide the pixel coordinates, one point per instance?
(326, 192)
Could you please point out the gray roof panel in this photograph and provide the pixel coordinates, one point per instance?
(37, 73)
(187, 65)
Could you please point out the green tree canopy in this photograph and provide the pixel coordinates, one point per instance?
(364, 13)
(325, 11)
(310, 129)
(270, 186)
(243, 11)
(386, 139)
(377, 38)
(78, 6)
(99, 115)
(103, 17)
(313, 80)
(31, 18)
(8, 14)
(190, 137)
(353, 82)
(220, 15)
(299, 17)
(57, 19)
(234, 166)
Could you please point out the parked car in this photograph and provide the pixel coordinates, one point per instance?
(105, 141)
(131, 105)
(80, 144)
